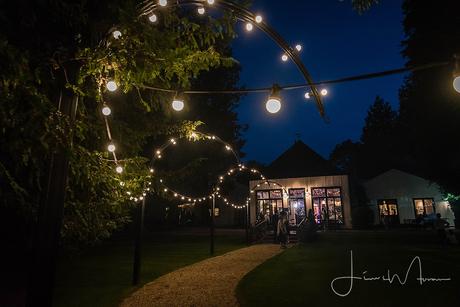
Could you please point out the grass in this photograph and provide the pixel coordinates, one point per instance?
(302, 275)
(101, 276)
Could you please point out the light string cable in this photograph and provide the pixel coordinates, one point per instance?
(149, 8)
(251, 19)
(217, 188)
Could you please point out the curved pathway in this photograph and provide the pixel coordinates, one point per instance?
(211, 282)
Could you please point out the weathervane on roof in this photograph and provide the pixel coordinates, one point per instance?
(297, 136)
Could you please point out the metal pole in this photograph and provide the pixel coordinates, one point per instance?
(213, 209)
(247, 223)
(138, 245)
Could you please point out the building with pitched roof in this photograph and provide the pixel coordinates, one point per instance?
(298, 181)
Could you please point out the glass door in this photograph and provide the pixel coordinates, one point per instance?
(297, 210)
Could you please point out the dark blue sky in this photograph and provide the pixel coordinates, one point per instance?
(337, 42)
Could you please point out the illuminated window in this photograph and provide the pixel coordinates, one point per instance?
(327, 205)
(424, 206)
(296, 206)
(268, 202)
(388, 211)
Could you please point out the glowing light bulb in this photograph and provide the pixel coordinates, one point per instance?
(259, 19)
(111, 86)
(307, 95)
(106, 111)
(249, 27)
(298, 47)
(119, 169)
(284, 57)
(151, 170)
(228, 147)
(456, 84)
(166, 190)
(163, 2)
(273, 105)
(324, 92)
(178, 104)
(111, 148)
(211, 2)
(201, 10)
(153, 18)
(116, 34)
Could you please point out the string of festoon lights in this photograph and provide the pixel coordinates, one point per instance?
(273, 103)
(160, 152)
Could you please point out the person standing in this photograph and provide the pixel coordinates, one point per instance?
(282, 229)
(440, 226)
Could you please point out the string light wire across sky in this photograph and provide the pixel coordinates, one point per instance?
(336, 41)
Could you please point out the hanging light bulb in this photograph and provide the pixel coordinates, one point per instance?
(153, 18)
(456, 82)
(307, 95)
(116, 34)
(178, 102)
(298, 47)
(211, 2)
(163, 2)
(324, 92)
(249, 27)
(111, 86)
(273, 104)
(284, 57)
(119, 169)
(259, 19)
(106, 111)
(201, 10)
(111, 148)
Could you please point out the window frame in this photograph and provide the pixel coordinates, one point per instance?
(424, 206)
(269, 199)
(327, 202)
(298, 198)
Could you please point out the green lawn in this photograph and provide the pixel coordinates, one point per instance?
(301, 276)
(101, 276)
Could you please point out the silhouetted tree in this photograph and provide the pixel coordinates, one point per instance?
(429, 106)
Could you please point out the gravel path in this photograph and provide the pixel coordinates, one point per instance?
(211, 282)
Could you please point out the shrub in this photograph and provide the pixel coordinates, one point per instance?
(362, 217)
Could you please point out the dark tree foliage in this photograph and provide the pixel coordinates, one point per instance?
(429, 106)
(363, 5)
(377, 151)
(50, 47)
(423, 137)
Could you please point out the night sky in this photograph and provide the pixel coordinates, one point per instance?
(337, 42)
